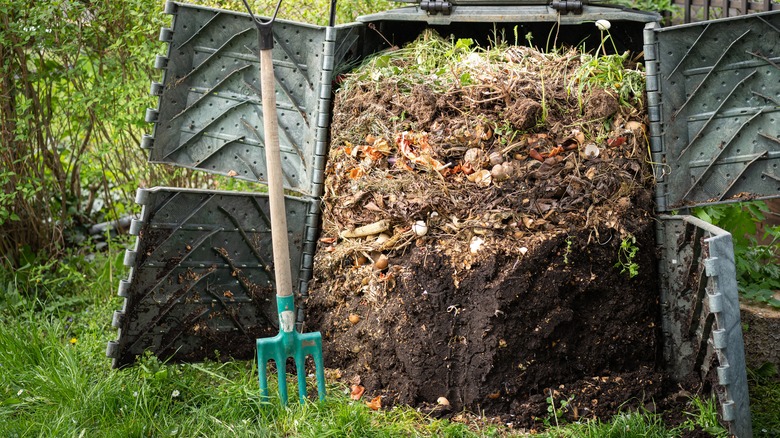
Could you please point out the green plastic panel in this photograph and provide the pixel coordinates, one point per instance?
(202, 274)
(714, 96)
(700, 321)
(515, 11)
(210, 117)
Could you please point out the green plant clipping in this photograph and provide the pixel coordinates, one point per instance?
(627, 256)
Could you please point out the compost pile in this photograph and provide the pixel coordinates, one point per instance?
(487, 233)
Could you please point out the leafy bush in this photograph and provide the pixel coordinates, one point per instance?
(74, 81)
(758, 273)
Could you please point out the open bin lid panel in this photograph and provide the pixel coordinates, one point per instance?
(210, 113)
(714, 94)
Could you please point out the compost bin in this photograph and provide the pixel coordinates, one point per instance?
(494, 291)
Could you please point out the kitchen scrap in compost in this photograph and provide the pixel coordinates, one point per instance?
(488, 233)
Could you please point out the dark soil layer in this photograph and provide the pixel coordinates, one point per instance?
(562, 318)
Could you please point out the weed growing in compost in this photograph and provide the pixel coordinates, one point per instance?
(557, 412)
(627, 255)
(567, 250)
(609, 72)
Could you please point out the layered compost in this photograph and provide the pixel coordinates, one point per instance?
(488, 240)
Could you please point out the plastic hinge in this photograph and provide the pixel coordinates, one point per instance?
(660, 201)
(311, 233)
(728, 410)
(160, 62)
(650, 51)
(653, 99)
(166, 34)
(147, 141)
(318, 175)
(656, 145)
(129, 260)
(116, 321)
(652, 83)
(660, 174)
(141, 196)
(170, 8)
(711, 266)
(433, 7)
(156, 89)
(151, 115)
(325, 89)
(715, 302)
(319, 161)
(330, 34)
(308, 260)
(654, 113)
(322, 117)
(317, 189)
(112, 349)
(135, 227)
(124, 287)
(651, 65)
(724, 375)
(328, 62)
(719, 339)
(303, 287)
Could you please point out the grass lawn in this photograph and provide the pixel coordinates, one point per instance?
(56, 381)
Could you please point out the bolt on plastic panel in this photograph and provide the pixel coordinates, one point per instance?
(700, 320)
(718, 103)
(202, 276)
(210, 115)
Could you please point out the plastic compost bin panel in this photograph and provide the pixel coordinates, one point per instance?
(210, 113)
(516, 12)
(700, 313)
(202, 276)
(714, 95)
